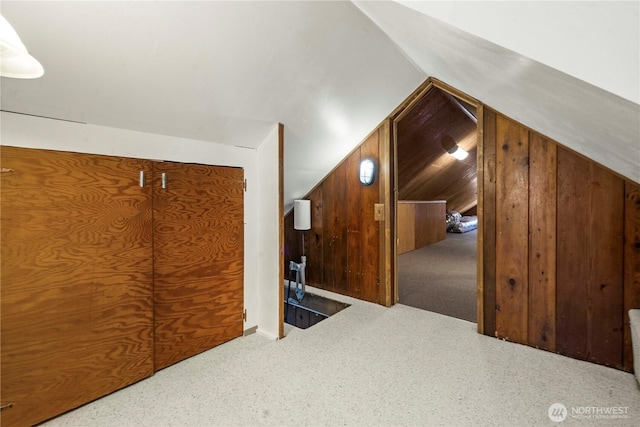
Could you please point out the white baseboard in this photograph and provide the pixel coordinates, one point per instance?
(266, 335)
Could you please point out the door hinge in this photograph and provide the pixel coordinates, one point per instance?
(244, 315)
(244, 185)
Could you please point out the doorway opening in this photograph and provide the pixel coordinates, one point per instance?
(436, 204)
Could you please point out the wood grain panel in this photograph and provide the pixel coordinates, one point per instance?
(315, 243)
(406, 227)
(542, 241)
(589, 285)
(369, 251)
(387, 291)
(479, 211)
(335, 229)
(430, 223)
(631, 264)
(420, 224)
(488, 219)
(573, 250)
(605, 288)
(198, 259)
(293, 246)
(355, 227)
(76, 296)
(512, 230)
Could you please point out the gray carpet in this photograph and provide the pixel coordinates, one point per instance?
(370, 366)
(441, 277)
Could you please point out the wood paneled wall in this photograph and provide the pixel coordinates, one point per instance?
(420, 224)
(561, 247)
(343, 245)
(559, 261)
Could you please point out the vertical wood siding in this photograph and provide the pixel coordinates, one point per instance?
(489, 223)
(542, 243)
(565, 265)
(631, 264)
(512, 205)
(420, 224)
(589, 261)
(343, 245)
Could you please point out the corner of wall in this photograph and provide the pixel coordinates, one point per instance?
(267, 186)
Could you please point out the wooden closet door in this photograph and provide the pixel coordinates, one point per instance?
(76, 294)
(198, 259)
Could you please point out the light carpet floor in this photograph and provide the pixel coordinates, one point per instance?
(441, 277)
(369, 366)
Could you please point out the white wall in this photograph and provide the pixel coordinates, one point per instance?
(595, 41)
(268, 236)
(32, 132)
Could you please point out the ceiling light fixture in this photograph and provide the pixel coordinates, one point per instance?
(452, 148)
(458, 153)
(15, 60)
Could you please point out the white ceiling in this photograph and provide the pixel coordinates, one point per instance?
(595, 41)
(226, 72)
(594, 122)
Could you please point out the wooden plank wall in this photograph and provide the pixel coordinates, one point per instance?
(406, 227)
(542, 250)
(590, 261)
(512, 204)
(631, 264)
(565, 266)
(343, 245)
(420, 224)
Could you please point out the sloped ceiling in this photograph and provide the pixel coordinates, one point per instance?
(226, 72)
(596, 123)
(425, 170)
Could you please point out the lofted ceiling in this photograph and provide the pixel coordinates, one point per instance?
(425, 170)
(226, 72)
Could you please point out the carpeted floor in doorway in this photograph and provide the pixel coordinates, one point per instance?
(441, 277)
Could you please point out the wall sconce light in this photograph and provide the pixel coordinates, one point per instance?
(452, 148)
(15, 61)
(367, 171)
